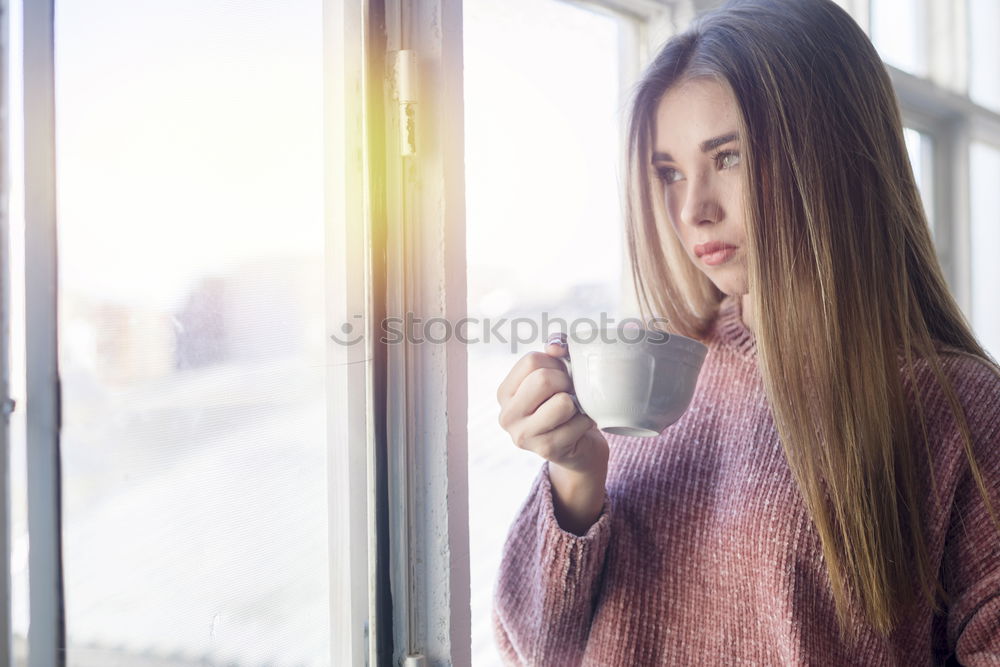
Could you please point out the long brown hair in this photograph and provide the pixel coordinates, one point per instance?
(842, 275)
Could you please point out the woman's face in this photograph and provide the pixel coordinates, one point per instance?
(697, 156)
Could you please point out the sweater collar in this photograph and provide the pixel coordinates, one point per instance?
(732, 331)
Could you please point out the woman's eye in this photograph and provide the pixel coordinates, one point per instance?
(668, 174)
(727, 159)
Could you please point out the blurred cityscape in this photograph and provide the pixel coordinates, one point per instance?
(194, 473)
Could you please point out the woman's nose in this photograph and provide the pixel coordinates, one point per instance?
(702, 205)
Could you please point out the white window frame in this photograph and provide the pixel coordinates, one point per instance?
(357, 593)
(426, 391)
(7, 404)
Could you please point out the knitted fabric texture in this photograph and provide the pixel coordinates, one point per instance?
(704, 552)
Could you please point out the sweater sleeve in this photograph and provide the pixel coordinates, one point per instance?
(548, 583)
(971, 568)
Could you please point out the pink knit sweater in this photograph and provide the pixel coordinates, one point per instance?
(704, 552)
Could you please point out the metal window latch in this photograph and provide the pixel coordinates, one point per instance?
(8, 406)
(404, 68)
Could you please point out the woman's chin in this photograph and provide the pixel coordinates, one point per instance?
(731, 287)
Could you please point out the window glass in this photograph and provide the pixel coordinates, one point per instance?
(544, 227)
(920, 148)
(985, 239)
(984, 52)
(898, 30)
(190, 176)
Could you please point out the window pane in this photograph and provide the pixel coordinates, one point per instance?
(544, 226)
(898, 31)
(984, 52)
(192, 331)
(919, 146)
(985, 239)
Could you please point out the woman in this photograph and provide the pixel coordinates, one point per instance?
(830, 495)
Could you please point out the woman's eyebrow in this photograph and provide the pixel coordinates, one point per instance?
(706, 146)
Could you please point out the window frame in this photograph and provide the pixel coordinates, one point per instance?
(46, 632)
(7, 404)
(358, 583)
(425, 400)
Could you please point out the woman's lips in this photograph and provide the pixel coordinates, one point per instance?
(714, 252)
(719, 256)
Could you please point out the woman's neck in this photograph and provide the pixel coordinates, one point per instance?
(746, 308)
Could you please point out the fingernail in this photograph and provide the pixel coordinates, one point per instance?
(557, 339)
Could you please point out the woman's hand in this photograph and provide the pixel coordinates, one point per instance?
(540, 416)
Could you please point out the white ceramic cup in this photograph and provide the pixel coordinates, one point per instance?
(633, 381)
